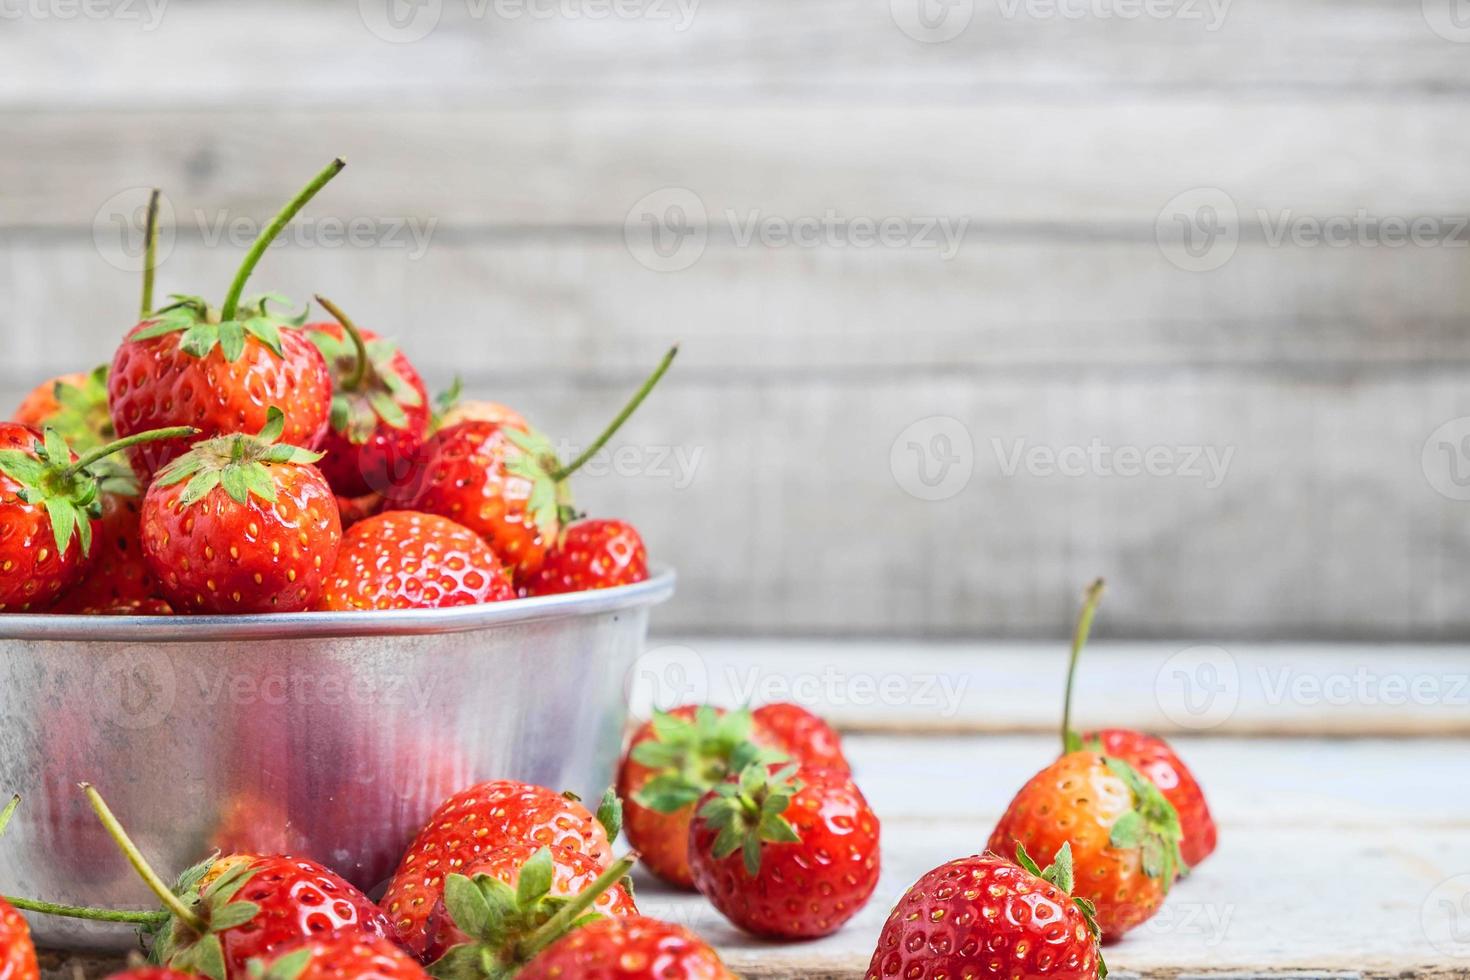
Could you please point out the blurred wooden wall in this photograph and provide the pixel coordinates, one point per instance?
(811, 393)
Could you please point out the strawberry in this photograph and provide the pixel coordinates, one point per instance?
(242, 524)
(402, 559)
(786, 852)
(347, 955)
(143, 972)
(119, 578)
(516, 901)
(478, 820)
(50, 512)
(505, 483)
(634, 948)
(380, 408)
(597, 554)
(798, 733)
(671, 761)
(221, 371)
(17, 952)
(454, 412)
(75, 405)
(1148, 754)
(983, 916)
(354, 509)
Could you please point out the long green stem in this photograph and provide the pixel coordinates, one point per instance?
(553, 928)
(136, 917)
(140, 864)
(1090, 599)
(354, 380)
(153, 435)
(150, 253)
(620, 418)
(281, 220)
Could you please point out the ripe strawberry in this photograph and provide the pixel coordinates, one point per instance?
(478, 820)
(142, 972)
(504, 483)
(672, 761)
(635, 948)
(119, 577)
(339, 956)
(983, 916)
(454, 412)
(354, 509)
(787, 852)
(597, 554)
(380, 408)
(75, 405)
(1149, 754)
(49, 512)
(516, 901)
(254, 529)
(221, 371)
(17, 952)
(800, 734)
(402, 559)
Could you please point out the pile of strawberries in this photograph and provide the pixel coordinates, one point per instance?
(233, 460)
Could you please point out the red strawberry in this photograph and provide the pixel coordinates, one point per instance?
(221, 371)
(340, 956)
(515, 901)
(800, 734)
(504, 483)
(635, 948)
(354, 509)
(1148, 754)
(150, 973)
(75, 405)
(380, 408)
(984, 917)
(242, 524)
(790, 853)
(402, 559)
(456, 412)
(49, 512)
(476, 821)
(671, 761)
(119, 577)
(597, 554)
(17, 952)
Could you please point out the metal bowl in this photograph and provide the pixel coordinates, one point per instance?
(328, 735)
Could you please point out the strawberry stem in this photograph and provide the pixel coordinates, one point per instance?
(354, 380)
(140, 864)
(617, 422)
(281, 220)
(8, 812)
(555, 927)
(137, 917)
(1090, 600)
(150, 253)
(153, 435)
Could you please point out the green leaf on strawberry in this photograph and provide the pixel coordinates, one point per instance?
(238, 463)
(747, 813)
(368, 385)
(202, 329)
(1060, 874)
(691, 756)
(1152, 825)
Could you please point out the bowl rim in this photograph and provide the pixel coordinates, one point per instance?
(658, 587)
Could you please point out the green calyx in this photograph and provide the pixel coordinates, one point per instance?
(239, 463)
(508, 926)
(1152, 826)
(85, 423)
(748, 813)
(368, 388)
(1071, 741)
(203, 328)
(691, 757)
(1059, 873)
(70, 492)
(287, 967)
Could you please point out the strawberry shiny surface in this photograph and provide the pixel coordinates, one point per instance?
(350, 955)
(408, 560)
(33, 574)
(17, 953)
(595, 554)
(799, 733)
(1154, 757)
(635, 948)
(119, 577)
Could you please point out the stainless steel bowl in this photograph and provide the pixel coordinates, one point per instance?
(330, 735)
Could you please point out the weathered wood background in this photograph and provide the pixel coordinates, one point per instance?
(526, 149)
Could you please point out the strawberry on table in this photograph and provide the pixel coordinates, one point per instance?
(380, 408)
(594, 554)
(985, 917)
(789, 852)
(221, 370)
(402, 559)
(803, 736)
(478, 820)
(339, 956)
(635, 948)
(17, 952)
(242, 524)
